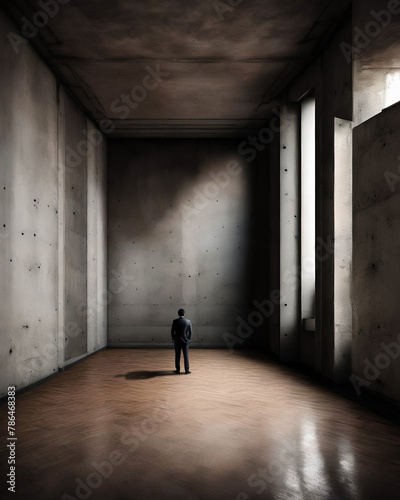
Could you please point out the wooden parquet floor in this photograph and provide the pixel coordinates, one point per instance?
(121, 426)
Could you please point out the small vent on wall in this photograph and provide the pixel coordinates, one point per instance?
(309, 325)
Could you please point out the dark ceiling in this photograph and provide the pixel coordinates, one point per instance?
(179, 68)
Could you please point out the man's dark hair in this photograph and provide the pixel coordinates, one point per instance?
(181, 312)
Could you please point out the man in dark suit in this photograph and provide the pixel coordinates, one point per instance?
(181, 333)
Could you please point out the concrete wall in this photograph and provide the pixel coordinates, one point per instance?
(329, 79)
(96, 240)
(289, 242)
(353, 85)
(37, 121)
(374, 44)
(75, 235)
(273, 253)
(376, 277)
(182, 222)
(29, 203)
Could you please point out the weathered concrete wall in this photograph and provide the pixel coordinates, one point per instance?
(329, 79)
(374, 44)
(376, 277)
(181, 222)
(289, 242)
(35, 217)
(371, 65)
(96, 241)
(28, 270)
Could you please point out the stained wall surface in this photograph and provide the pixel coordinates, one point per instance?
(181, 227)
(376, 276)
(43, 246)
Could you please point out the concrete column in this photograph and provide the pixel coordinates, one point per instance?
(61, 226)
(96, 244)
(273, 253)
(75, 233)
(102, 245)
(290, 233)
(92, 247)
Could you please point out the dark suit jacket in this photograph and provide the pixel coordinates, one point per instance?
(181, 331)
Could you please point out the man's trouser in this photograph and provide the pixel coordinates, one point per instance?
(185, 350)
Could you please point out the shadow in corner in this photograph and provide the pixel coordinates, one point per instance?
(146, 374)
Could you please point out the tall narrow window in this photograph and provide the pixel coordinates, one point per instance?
(308, 212)
(343, 246)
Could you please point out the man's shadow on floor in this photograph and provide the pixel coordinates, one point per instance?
(146, 374)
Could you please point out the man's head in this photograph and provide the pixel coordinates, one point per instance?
(181, 312)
